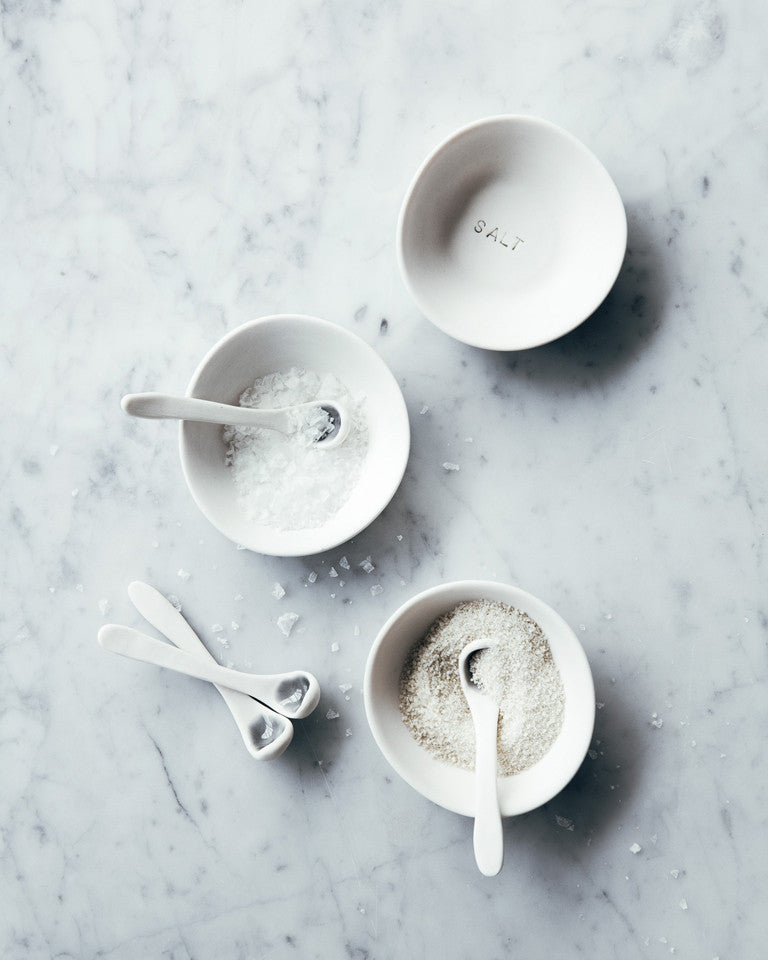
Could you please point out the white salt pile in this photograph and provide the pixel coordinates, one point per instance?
(518, 672)
(289, 481)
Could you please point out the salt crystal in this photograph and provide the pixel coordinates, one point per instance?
(399, 536)
(241, 546)
(53, 450)
(376, 589)
(344, 687)
(333, 572)
(104, 606)
(564, 822)
(674, 873)
(332, 715)
(451, 467)
(217, 628)
(239, 598)
(174, 602)
(277, 591)
(683, 904)
(356, 631)
(635, 848)
(347, 732)
(334, 647)
(367, 565)
(592, 754)
(75, 492)
(424, 409)
(223, 641)
(155, 544)
(609, 616)
(344, 563)
(183, 575)
(235, 625)
(312, 577)
(79, 588)
(333, 596)
(286, 622)
(342, 582)
(599, 704)
(469, 440)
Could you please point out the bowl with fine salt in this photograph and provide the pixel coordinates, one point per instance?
(536, 670)
(284, 494)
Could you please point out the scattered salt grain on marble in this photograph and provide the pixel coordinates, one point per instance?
(635, 848)
(332, 715)
(333, 572)
(564, 822)
(344, 563)
(183, 574)
(312, 576)
(234, 625)
(592, 754)
(342, 582)
(399, 537)
(367, 565)
(239, 598)
(286, 622)
(289, 482)
(51, 589)
(376, 589)
(334, 647)
(217, 628)
(344, 687)
(75, 492)
(356, 631)
(451, 467)
(223, 641)
(674, 873)
(104, 606)
(174, 602)
(656, 721)
(683, 904)
(278, 592)
(79, 588)
(155, 544)
(53, 450)
(424, 409)
(347, 732)
(599, 704)
(333, 596)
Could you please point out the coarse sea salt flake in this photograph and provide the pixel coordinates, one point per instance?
(183, 574)
(635, 848)
(332, 715)
(333, 572)
(683, 904)
(344, 687)
(174, 602)
(312, 576)
(104, 606)
(286, 622)
(278, 592)
(376, 589)
(564, 822)
(334, 647)
(217, 628)
(451, 467)
(367, 565)
(344, 563)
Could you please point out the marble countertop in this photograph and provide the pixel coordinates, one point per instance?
(168, 172)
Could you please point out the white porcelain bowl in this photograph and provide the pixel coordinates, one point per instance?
(441, 782)
(511, 233)
(275, 344)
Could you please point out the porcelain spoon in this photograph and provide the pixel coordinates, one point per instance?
(265, 733)
(162, 406)
(488, 836)
(294, 695)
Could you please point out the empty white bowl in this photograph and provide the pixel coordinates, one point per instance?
(448, 785)
(511, 233)
(275, 344)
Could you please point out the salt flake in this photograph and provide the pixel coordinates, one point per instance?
(635, 848)
(286, 622)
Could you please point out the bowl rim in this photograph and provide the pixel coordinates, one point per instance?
(510, 804)
(429, 160)
(316, 543)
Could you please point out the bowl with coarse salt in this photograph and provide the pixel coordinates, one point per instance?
(535, 669)
(282, 493)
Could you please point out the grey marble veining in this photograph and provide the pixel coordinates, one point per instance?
(167, 173)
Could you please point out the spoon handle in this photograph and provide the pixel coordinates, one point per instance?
(488, 836)
(138, 646)
(254, 719)
(162, 406)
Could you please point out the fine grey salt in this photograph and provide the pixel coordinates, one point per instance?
(518, 671)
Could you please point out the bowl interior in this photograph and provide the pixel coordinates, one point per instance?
(443, 783)
(512, 233)
(276, 344)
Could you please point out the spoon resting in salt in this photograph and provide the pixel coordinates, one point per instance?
(328, 421)
(488, 837)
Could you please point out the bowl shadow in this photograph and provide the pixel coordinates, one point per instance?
(596, 351)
